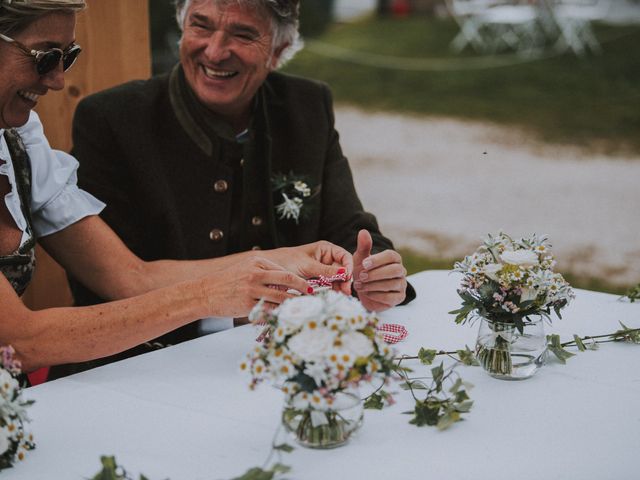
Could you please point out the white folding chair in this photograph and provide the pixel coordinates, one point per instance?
(468, 16)
(490, 26)
(514, 27)
(574, 19)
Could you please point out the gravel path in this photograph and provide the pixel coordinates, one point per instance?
(439, 186)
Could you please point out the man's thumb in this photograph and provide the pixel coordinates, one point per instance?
(365, 243)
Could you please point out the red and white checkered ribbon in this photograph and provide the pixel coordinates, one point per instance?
(392, 332)
(320, 281)
(323, 281)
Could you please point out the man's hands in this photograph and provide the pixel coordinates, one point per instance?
(315, 259)
(380, 279)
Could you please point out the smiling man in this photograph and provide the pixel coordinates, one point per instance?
(224, 154)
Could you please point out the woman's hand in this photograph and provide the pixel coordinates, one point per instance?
(316, 259)
(233, 291)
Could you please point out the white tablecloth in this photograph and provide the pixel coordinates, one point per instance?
(186, 413)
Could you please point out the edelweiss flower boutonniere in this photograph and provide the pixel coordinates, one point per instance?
(292, 195)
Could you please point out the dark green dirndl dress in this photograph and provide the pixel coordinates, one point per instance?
(19, 266)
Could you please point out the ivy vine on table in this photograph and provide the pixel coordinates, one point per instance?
(444, 402)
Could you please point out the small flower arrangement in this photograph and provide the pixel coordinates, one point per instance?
(14, 441)
(292, 191)
(318, 350)
(507, 280)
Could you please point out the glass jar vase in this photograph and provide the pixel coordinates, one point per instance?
(506, 352)
(324, 428)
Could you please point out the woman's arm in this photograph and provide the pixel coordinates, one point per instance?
(165, 295)
(94, 254)
(74, 334)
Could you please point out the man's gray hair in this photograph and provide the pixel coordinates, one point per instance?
(16, 15)
(284, 21)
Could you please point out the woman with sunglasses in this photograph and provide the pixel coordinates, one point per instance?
(43, 202)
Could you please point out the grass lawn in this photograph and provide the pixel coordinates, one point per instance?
(592, 101)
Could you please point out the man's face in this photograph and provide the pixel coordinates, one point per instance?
(226, 54)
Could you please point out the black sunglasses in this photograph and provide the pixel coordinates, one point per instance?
(48, 60)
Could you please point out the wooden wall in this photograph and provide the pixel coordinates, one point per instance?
(114, 35)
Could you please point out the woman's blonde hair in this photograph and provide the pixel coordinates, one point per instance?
(16, 15)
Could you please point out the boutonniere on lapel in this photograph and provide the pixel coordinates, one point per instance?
(292, 194)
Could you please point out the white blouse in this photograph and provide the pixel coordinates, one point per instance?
(56, 200)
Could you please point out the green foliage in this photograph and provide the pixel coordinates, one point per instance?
(258, 473)
(626, 334)
(440, 407)
(579, 343)
(467, 357)
(554, 97)
(374, 402)
(555, 347)
(469, 305)
(284, 447)
(377, 400)
(427, 356)
(633, 294)
(631, 335)
(112, 471)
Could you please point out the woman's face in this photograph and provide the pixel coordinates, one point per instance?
(20, 83)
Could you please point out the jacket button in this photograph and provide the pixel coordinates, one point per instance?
(220, 186)
(216, 235)
(242, 162)
(256, 221)
(256, 247)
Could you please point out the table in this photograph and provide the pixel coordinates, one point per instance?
(185, 412)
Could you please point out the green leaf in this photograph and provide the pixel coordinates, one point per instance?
(463, 312)
(400, 370)
(281, 468)
(413, 385)
(633, 294)
(456, 386)
(438, 376)
(424, 414)
(555, 347)
(256, 473)
(427, 356)
(110, 470)
(468, 357)
(519, 324)
(579, 343)
(465, 406)
(284, 447)
(447, 420)
(461, 396)
(374, 402)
